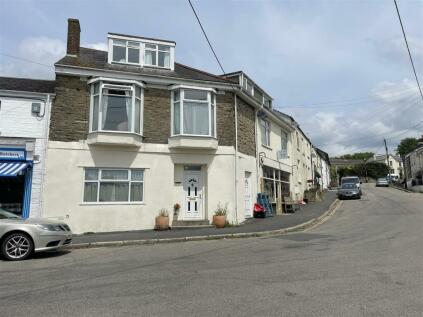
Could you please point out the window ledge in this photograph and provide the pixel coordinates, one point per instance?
(193, 142)
(267, 147)
(114, 138)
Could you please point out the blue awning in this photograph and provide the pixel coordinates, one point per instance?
(11, 168)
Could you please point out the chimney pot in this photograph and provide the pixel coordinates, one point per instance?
(74, 34)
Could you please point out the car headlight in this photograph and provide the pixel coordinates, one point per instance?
(49, 227)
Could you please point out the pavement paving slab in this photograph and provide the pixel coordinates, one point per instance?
(306, 213)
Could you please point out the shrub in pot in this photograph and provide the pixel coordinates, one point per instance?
(162, 220)
(219, 218)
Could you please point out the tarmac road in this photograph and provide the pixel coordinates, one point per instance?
(367, 260)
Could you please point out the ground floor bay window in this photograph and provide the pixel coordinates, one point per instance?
(113, 185)
(116, 106)
(193, 112)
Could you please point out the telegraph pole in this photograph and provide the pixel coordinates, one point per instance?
(387, 160)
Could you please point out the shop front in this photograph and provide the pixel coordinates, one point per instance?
(275, 183)
(15, 181)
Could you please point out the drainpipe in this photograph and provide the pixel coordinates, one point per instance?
(235, 158)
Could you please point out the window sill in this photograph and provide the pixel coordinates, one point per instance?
(114, 138)
(111, 203)
(267, 147)
(193, 142)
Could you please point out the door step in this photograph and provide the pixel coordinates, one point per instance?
(178, 224)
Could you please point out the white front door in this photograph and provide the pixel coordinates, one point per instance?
(248, 199)
(193, 194)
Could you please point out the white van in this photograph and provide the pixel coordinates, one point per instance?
(393, 177)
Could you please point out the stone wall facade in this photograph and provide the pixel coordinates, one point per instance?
(71, 108)
(246, 128)
(156, 115)
(225, 122)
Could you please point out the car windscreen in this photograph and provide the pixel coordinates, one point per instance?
(348, 186)
(350, 181)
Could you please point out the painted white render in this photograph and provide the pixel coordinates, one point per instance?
(301, 154)
(20, 128)
(163, 186)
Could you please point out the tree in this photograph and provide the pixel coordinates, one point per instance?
(358, 156)
(406, 146)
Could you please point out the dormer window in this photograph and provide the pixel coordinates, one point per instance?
(157, 55)
(126, 52)
(141, 51)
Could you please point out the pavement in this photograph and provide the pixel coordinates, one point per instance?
(254, 225)
(366, 260)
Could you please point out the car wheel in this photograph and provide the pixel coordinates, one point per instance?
(17, 246)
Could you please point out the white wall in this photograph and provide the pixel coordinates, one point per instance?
(18, 126)
(64, 184)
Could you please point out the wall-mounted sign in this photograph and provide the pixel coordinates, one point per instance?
(9, 154)
(282, 154)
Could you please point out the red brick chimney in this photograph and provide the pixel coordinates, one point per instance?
(74, 34)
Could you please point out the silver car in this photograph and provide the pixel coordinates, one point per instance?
(349, 190)
(19, 237)
(382, 182)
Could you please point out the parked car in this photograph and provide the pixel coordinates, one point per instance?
(19, 237)
(352, 180)
(382, 182)
(349, 190)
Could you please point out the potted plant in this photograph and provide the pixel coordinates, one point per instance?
(219, 218)
(176, 208)
(162, 220)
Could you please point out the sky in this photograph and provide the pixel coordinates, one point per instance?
(340, 67)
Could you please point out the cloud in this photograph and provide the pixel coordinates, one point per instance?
(35, 57)
(102, 46)
(390, 112)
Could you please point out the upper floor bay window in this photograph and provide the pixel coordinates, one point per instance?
(116, 107)
(265, 132)
(193, 112)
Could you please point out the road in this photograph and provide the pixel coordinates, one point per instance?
(367, 260)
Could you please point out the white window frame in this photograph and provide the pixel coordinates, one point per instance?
(128, 180)
(157, 50)
(284, 136)
(142, 42)
(181, 89)
(127, 46)
(124, 85)
(265, 125)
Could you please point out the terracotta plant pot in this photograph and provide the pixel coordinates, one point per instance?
(219, 221)
(162, 223)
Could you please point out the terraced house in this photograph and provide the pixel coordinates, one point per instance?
(133, 131)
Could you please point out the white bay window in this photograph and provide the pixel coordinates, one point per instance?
(116, 107)
(193, 112)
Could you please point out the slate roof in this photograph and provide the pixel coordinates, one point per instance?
(26, 84)
(91, 58)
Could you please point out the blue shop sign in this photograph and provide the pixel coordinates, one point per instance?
(12, 154)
